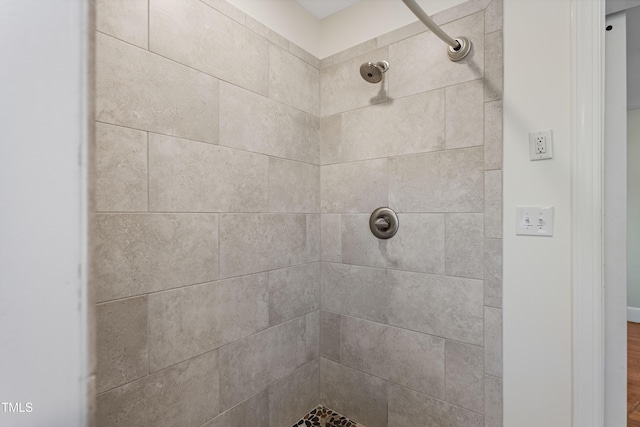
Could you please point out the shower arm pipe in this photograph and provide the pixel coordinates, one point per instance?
(458, 48)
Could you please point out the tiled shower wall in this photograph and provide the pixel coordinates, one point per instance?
(410, 329)
(208, 226)
(209, 193)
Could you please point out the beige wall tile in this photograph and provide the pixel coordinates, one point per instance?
(404, 357)
(121, 169)
(418, 245)
(404, 126)
(354, 187)
(293, 292)
(261, 29)
(121, 342)
(199, 36)
(124, 19)
(492, 401)
(252, 412)
(493, 16)
(251, 243)
(493, 75)
(141, 253)
(138, 89)
(493, 272)
(354, 394)
(331, 139)
(190, 176)
(493, 135)
(493, 341)
(331, 238)
(408, 408)
(420, 64)
(223, 6)
(465, 375)
(314, 135)
(251, 364)
(294, 395)
(330, 335)
(293, 186)
(342, 88)
(355, 291)
(304, 55)
(192, 320)
(186, 395)
(449, 307)
(258, 124)
(445, 181)
(465, 114)
(293, 82)
(493, 204)
(465, 245)
(312, 334)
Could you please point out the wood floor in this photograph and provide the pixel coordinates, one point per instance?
(633, 374)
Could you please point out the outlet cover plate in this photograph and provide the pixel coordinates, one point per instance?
(534, 221)
(541, 145)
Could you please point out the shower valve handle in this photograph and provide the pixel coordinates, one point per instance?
(382, 223)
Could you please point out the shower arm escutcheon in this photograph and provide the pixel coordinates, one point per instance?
(383, 223)
(459, 47)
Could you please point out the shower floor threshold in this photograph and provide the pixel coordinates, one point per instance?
(322, 416)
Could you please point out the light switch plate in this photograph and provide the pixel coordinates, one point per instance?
(534, 220)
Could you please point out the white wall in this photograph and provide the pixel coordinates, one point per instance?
(358, 23)
(633, 208)
(537, 300)
(43, 118)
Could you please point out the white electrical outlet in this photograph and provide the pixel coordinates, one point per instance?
(534, 220)
(541, 145)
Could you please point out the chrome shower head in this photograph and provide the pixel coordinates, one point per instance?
(373, 72)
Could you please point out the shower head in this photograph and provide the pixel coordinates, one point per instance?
(373, 72)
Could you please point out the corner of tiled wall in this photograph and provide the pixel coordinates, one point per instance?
(207, 241)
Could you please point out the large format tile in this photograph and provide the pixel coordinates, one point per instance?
(293, 186)
(408, 408)
(196, 35)
(404, 357)
(312, 334)
(253, 412)
(404, 126)
(223, 6)
(418, 245)
(182, 395)
(142, 253)
(294, 395)
(445, 181)
(493, 20)
(251, 364)
(189, 321)
(450, 307)
(493, 272)
(293, 81)
(465, 245)
(465, 114)
(494, 73)
(493, 204)
(420, 63)
(293, 291)
(331, 139)
(342, 88)
(465, 375)
(121, 342)
(124, 19)
(254, 123)
(355, 291)
(492, 401)
(251, 243)
(190, 176)
(331, 237)
(121, 169)
(354, 187)
(493, 135)
(138, 89)
(330, 335)
(354, 394)
(493, 341)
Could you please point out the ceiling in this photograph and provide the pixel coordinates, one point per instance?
(323, 8)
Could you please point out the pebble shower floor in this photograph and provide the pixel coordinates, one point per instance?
(325, 417)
